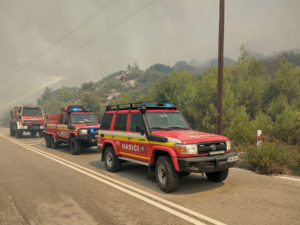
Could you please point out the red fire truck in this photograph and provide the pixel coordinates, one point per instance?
(26, 119)
(157, 135)
(76, 126)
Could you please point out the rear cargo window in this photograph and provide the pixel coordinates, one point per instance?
(106, 121)
(121, 121)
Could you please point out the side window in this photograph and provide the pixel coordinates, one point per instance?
(106, 121)
(137, 123)
(61, 119)
(121, 121)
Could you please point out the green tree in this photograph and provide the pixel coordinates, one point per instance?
(241, 129)
(91, 102)
(287, 81)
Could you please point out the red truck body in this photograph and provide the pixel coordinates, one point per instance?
(75, 125)
(157, 135)
(27, 119)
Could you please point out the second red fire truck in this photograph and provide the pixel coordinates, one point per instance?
(75, 125)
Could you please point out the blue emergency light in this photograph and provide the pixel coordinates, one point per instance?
(152, 104)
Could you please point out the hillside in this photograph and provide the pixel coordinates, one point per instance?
(258, 94)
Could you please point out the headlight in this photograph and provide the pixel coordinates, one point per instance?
(187, 149)
(83, 131)
(228, 145)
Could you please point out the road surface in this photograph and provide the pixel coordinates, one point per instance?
(39, 185)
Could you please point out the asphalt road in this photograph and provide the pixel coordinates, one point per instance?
(46, 186)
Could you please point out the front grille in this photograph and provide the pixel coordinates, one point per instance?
(207, 147)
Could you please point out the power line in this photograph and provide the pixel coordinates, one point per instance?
(65, 36)
(101, 33)
(104, 32)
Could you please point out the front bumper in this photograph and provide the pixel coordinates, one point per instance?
(88, 138)
(208, 164)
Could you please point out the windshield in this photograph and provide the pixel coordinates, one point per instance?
(31, 112)
(166, 121)
(83, 118)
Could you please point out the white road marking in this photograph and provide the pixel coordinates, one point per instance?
(275, 176)
(124, 187)
(288, 178)
(33, 142)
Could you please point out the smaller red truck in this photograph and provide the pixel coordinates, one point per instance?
(27, 119)
(76, 126)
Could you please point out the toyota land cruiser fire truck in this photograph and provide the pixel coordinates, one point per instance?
(26, 119)
(75, 125)
(157, 135)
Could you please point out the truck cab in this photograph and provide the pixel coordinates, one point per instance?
(157, 135)
(76, 126)
(27, 119)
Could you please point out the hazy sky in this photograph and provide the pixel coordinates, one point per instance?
(164, 31)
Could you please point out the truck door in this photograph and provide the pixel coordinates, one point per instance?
(136, 137)
(119, 134)
(61, 127)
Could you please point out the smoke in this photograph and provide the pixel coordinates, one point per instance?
(165, 32)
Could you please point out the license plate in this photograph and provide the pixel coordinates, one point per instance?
(216, 152)
(233, 158)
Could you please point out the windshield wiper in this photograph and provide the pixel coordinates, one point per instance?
(159, 128)
(178, 128)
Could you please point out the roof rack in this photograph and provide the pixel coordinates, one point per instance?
(141, 106)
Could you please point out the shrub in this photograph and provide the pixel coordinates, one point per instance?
(269, 158)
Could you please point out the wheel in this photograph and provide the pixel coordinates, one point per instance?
(166, 176)
(18, 133)
(217, 176)
(33, 133)
(48, 141)
(75, 146)
(11, 131)
(41, 134)
(53, 144)
(111, 161)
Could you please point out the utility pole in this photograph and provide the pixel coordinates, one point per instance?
(220, 68)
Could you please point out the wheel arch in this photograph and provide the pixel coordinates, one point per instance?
(107, 144)
(164, 151)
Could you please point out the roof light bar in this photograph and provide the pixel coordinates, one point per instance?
(143, 106)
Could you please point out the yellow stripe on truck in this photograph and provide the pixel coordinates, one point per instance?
(133, 155)
(137, 139)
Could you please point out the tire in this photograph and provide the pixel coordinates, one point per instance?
(218, 176)
(111, 161)
(12, 131)
(33, 133)
(48, 141)
(53, 144)
(166, 176)
(19, 134)
(75, 146)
